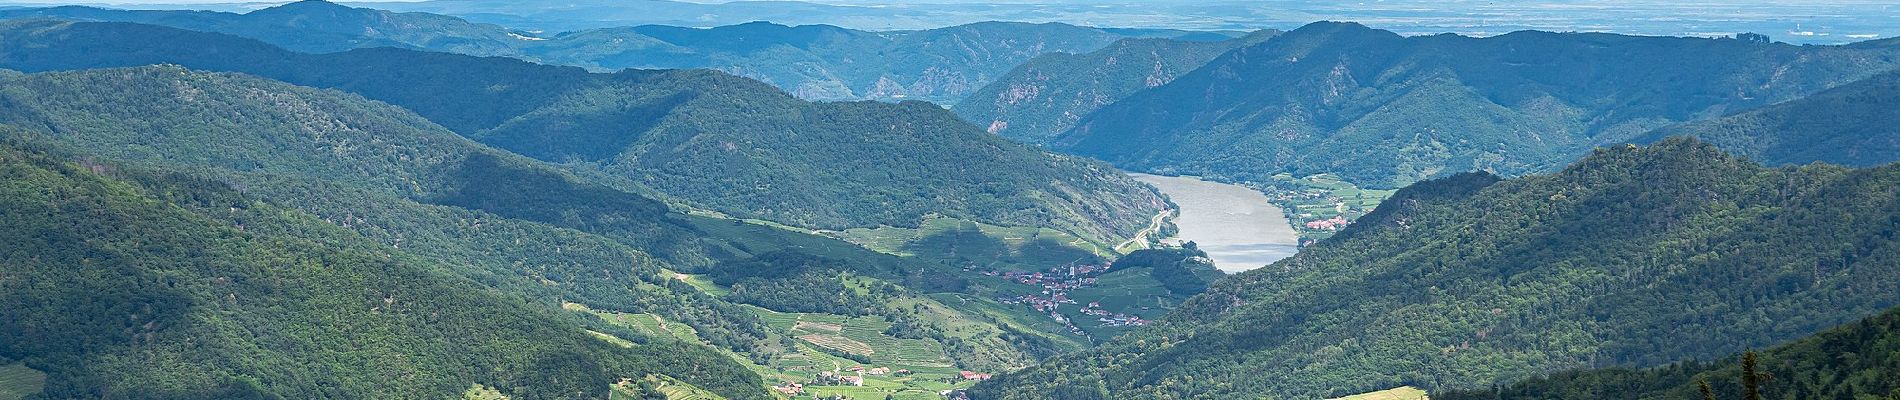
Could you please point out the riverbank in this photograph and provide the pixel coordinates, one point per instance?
(1239, 227)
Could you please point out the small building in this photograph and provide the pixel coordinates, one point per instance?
(972, 375)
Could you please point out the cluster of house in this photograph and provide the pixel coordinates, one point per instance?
(1038, 303)
(833, 378)
(1329, 224)
(1109, 318)
(1056, 282)
(853, 376)
(1056, 279)
(861, 370)
(972, 376)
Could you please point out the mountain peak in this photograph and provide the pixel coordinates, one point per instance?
(309, 5)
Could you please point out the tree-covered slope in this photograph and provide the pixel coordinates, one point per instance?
(1860, 360)
(830, 63)
(314, 26)
(1857, 124)
(500, 219)
(711, 139)
(1382, 109)
(129, 283)
(1046, 96)
(811, 61)
(1631, 256)
(504, 221)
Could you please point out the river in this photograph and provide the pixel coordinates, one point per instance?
(1235, 225)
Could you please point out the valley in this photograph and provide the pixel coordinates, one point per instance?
(315, 200)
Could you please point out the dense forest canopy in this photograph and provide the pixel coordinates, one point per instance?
(1860, 360)
(713, 140)
(133, 283)
(1047, 95)
(1386, 110)
(1857, 124)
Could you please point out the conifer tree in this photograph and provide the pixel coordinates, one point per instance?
(1751, 378)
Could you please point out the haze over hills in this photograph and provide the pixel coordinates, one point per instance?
(1047, 95)
(1631, 256)
(820, 62)
(1831, 22)
(717, 141)
(312, 200)
(1385, 110)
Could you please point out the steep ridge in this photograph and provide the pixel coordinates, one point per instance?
(127, 282)
(1631, 256)
(819, 165)
(516, 225)
(314, 26)
(1047, 95)
(1852, 361)
(1857, 124)
(1385, 110)
(811, 61)
(388, 175)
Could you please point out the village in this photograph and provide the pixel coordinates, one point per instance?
(1056, 284)
(855, 375)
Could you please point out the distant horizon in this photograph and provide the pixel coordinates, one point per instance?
(1833, 23)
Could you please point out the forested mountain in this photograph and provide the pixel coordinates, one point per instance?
(1047, 95)
(393, 177)
(1860, 360)
(499, 220)
(1385, 110)
(1857, 124)
(814, 61)
(713, 140)
(314, 26)
(125, 282)
(830, 63)
(1631, 256)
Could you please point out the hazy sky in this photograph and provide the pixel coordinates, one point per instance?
(1798, 21)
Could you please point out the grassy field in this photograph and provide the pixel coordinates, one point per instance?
(1400, 393)
(1320, 197)
(18, 381)
(818, 340)
(674, 389)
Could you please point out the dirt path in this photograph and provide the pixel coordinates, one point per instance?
(1154, 225)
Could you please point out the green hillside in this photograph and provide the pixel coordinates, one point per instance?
(1383, 110)
(709, 139)
(120, 282)
(1859, 360)
(1046, 96)
(499, 220)
(1632, 256)
(1856, 124)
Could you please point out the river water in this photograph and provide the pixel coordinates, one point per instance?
(1235, 225)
